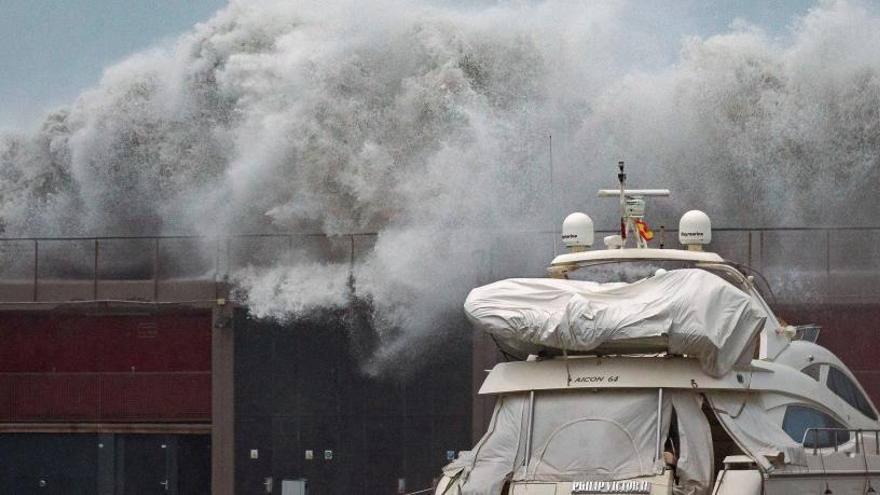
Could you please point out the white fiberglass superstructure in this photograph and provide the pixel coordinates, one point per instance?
(638, 370)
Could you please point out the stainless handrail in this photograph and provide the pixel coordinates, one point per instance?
(858, 435)
(658, 446)
(527, 458)
(220, 244)
(859, 440)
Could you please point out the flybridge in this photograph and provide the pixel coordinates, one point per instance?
(695, 228)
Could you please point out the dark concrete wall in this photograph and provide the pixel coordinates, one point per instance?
(104, 464)
(300, 387)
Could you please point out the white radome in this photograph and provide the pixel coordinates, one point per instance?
(694, 228)
(577, 230)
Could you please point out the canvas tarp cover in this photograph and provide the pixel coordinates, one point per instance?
(483, 470)
(696, 460)
(609, 435)
(756, 432)
(700, 314)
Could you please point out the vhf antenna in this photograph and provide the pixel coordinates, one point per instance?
(552, 195)
(621, 178)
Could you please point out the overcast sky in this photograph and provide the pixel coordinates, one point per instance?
(50, 50)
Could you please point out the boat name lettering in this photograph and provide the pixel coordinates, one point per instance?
(597, 379)
(611, 487)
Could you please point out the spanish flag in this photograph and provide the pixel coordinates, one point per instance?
(645, 232)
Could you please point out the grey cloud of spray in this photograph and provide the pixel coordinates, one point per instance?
(428, 125)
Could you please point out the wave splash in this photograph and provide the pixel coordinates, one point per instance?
(429, 126)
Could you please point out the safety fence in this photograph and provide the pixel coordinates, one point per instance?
(814, 263)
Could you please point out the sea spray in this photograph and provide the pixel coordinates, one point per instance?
(429, 126)
(286, 292)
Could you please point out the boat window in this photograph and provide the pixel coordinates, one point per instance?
(629, 271)
(623, 271)
(812, 371)
(841, 385)
(799, 418)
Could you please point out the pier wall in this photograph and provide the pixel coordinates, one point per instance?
(126, 360)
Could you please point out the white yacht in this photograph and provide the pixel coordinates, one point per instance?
(639, 370)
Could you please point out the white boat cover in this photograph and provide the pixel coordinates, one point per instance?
(605, 436)
(754, 430)
(696, 313)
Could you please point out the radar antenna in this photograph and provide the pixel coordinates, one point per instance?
(632, 210)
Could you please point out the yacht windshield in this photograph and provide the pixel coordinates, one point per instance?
(624, 271)
(629, 271)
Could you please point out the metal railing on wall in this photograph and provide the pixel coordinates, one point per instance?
(153, 259)
(31, 261)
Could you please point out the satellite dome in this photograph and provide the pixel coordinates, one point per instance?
(577, 231)
(694, 228)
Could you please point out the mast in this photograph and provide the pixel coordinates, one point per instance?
(621, 178)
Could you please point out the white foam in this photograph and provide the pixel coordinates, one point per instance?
(429, 126)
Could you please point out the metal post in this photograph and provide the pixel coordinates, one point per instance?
(216, 264)
(860, 437)
(228, 258)
(528, 457)
(658, 452)
(95, 273)
(36, 266)
(749, 256)
(761, 249)
(552, 201)
(156, 269)
(827, 253)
